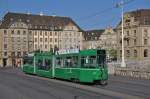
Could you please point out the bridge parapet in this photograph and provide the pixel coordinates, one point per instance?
(137, 73)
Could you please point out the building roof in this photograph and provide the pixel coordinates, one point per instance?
(37, 20)
(92, 34)
(141, 15)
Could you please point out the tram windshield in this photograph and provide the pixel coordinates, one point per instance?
(88, 62)
(101, 58)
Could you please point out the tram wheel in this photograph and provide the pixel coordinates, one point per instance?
(103, 82)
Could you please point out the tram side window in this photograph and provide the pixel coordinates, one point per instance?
(59, 62)
(71, 61)
(74, 61)
(39, 64)
(48, 64)
(88, 62)
(45, 64)
(67, 62)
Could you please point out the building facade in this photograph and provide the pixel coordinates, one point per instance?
(24, 33)
(137, 35)
(105, 39)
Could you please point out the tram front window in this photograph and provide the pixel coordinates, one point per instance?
(101, 58)
(88, 62)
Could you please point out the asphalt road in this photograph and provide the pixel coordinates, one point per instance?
(14, 84)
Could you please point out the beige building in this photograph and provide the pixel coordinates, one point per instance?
(24, 33)
(137, 35)
(105, 39)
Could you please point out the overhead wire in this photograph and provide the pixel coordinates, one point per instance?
(88, 18)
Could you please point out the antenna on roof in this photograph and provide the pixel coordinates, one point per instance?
(41, 13)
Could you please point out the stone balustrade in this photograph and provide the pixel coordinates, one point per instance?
(137, 73)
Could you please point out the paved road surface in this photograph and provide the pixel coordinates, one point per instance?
(16, 85)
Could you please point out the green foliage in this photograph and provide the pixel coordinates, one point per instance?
(113, 54)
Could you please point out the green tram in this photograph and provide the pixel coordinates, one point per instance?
(87, 66)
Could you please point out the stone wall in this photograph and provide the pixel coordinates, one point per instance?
(138, 69)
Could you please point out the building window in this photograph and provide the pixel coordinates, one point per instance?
(145, 41)
(30, 32)
(40, 27)
(18, 32)
(145, 31)
(134, 41)
(120, 42)
(55, 33)
(128, 53)
(35, 33)
(120, 33)
(50, 39)
(5, 32)
(55, 39)
(41, 40)
(135, 53)
(127, 42)
(45, 33)
(45, 46)
(35, 27)
(50, 33)
(135, 19)
(13, 54)
(45, 39)
(5, 53)
(134, 32)
(18, 54)
(145, 53)
(24, 32)
(12, 32)
(41, 33)
(35, 39)
(5, 46)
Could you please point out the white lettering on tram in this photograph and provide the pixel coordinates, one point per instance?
(67, 51)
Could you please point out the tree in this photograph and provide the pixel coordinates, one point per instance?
(113, 54)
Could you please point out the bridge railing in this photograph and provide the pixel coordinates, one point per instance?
(135, 69)
(138, 73)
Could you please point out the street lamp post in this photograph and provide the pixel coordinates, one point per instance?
(123, 64)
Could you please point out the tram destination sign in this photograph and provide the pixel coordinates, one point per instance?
(67, 51)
